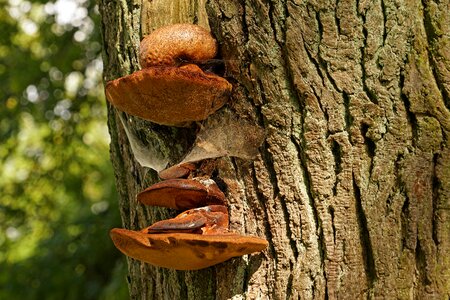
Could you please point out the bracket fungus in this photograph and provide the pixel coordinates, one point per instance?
(172, 90)
(166, 92)
(167, 245)
(177, 171)
(212, 219)
(182, 193)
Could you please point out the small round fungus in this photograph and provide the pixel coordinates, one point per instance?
(169, 44)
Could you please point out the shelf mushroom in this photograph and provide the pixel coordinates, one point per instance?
(177, 171)
(172, 90)
(212, 219)
(166, 91)
(166, 243)
(182, 193)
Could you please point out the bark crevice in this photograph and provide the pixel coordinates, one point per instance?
(366, 242)
(431, 36)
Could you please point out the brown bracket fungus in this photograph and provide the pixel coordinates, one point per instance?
(172, 90)
(212, 219)
(177, 171)
(175, 249)
(182, 193)
(184, 251)
(168, 94)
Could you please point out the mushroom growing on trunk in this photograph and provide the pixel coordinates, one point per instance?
(182, 193)
(167, 243)
(170, 90)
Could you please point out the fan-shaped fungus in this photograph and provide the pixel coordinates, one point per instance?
(184, 251)
(182, 193)
(212, 219)
(168, 94)
(177, 171)
(175, 249)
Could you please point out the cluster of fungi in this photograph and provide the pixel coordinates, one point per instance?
(172, 90)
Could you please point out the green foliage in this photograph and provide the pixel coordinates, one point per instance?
(57, 196)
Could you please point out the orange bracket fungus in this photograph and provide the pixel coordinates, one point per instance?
(182, 193)
(172, 90)
(212, 219)
(168, 245)
(166, 92)
(177, 171)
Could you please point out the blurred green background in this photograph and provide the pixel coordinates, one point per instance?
(57, 196)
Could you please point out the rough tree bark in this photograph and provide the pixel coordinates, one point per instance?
(352, 184)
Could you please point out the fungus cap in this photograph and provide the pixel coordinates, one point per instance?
(212, 219)
(184, 251)
(177, 171)
(182, 194)
(170, 96)
(167, 45)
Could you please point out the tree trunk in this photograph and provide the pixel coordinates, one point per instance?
(352, 185)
